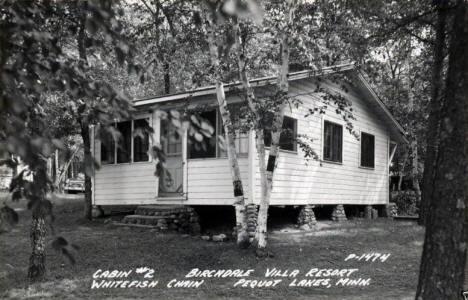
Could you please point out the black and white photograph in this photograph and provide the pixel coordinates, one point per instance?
(234, 149)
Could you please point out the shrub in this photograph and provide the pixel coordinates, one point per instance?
(406, 202)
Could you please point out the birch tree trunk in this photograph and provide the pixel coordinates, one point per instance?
(252, 101)
(444, 254)
(283, 83)
(38, 233)
(241, 218)
(434, 116)
(49, 167)
(56, 163)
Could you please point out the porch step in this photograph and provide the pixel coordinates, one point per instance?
(162, 210)
(163, 217)
(406, 218)
(135, 225)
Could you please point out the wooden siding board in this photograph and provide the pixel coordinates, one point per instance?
(209, 181)
(299, 182)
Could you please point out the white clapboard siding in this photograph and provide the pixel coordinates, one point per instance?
(210, 182)
(126, 184)
(129, 183)
(297, 181)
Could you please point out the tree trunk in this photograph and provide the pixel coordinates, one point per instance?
(36, 270)
(49, 167)
(63, 171)
(414, 139)
(57, 168)
(88, 160)
(276, 129)
(444, 255)
(251, 101)
(434, 115)
(167, 78)
(415, 169)
(401, 172)
(241, 217)
(84, 124)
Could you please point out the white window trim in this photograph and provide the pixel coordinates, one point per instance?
(338, 122)
(360, 147)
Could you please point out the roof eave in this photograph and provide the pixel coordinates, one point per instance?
(383, 107)
(208, 90)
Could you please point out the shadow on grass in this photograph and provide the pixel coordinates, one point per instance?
(104, 246)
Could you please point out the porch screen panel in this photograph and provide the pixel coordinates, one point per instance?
(107, 147)
(125, 142)
(207, 148)
(241, 141)
(170, 138)
(140, 140)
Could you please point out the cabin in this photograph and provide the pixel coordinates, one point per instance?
(349, 171)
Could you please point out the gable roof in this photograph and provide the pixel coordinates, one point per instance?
(396, 130)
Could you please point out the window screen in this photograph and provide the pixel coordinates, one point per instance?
(107, 148)
(140, 140)
(125, 142)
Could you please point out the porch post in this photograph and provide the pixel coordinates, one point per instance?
(93, 155)
(156, 141)
(184, 163)
(392, 153)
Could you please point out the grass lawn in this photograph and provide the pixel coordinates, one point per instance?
(105, 246)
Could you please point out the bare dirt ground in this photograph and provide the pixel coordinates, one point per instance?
(172, 256)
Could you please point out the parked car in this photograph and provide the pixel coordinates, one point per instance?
(74, 185)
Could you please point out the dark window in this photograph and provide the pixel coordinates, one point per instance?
(123, 147)
(125, 142)
(107, 148)
(288, 135)
(332, 142)
(140, 140)
(367, 150)
(206, 148)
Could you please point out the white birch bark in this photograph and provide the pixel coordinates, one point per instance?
(56, 161)
(276, 128)
(241, 218)
(251, 101)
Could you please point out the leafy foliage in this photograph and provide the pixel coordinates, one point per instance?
(36, 61)
(8, 217)
(407, 202)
